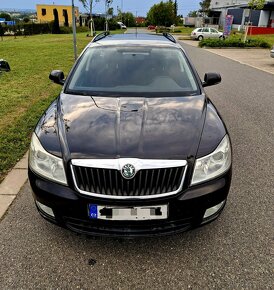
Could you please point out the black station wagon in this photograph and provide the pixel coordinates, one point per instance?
(132, 146)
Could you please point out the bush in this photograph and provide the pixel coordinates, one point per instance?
(28, 28)
(161, 29)
(99, 23)
(233, 42)
(67, 30)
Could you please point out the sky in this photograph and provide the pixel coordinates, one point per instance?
(139, 6)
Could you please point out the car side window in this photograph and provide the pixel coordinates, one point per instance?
(199, 30)
(213, 30)
(205, 29)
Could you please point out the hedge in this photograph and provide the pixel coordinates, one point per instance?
(44, 28)
(234, 42)
(29, 29)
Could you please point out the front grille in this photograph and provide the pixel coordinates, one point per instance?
(146, 182)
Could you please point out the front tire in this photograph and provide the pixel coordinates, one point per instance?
(222, 37)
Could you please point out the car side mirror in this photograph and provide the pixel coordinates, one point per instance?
(211, 79)
(57, 76)
(4, 65)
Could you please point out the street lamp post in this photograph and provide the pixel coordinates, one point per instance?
(74, 30)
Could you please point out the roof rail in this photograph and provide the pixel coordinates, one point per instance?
(100, 36)
(169, 36)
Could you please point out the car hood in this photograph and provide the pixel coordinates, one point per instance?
(112, 127)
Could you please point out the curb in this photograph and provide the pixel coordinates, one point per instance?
(11, 185)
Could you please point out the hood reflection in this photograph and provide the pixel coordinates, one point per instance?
(124, 127)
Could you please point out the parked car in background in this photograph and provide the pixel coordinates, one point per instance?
(122, 25)
(132, 146)
(206, 32)
(151, 27)
(272, 52)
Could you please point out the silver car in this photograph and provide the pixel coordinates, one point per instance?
(206, 32)
(272, 52)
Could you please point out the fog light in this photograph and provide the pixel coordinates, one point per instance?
(212, 210)
(45, 209)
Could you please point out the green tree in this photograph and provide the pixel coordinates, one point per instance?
(127, 18)
(65, 14)
(110, 11)
(193, 13)
(205, 4)
(6, 16)
(26, 19)
(256, 4)
(55, 26)
(88, 5)
(1, 31)
(176, 8)
(162, 14)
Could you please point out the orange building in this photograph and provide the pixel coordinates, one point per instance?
(140, 20)
(45, 13)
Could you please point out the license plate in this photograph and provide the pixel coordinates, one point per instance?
(130, 213)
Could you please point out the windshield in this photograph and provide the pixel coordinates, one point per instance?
(133, 70)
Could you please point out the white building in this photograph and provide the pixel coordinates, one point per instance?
(241, 12)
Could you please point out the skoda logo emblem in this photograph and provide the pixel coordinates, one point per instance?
(128, 171)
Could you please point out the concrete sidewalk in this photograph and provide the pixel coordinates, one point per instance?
(12, 184)
(255, 57)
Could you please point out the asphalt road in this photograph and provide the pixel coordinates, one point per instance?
(234, 252)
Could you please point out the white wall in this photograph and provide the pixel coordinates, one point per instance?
(224, 3)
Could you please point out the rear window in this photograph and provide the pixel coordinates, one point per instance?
(133, 70)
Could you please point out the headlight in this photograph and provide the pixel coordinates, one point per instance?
(44, 163)
(214, 164)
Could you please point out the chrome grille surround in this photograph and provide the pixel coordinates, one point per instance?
(139, 164)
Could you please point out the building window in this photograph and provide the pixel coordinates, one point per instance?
(44, 11)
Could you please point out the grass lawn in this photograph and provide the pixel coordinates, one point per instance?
(183, 30)
(266, 37)
(26, 91)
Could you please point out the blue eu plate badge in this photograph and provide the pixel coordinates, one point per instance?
(93, 211)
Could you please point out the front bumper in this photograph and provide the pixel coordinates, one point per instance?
(186, 209)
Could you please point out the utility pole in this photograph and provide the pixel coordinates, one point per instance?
(122, 4)
(92, 26)
(106, 15)
(74, 30)
(136, 21)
